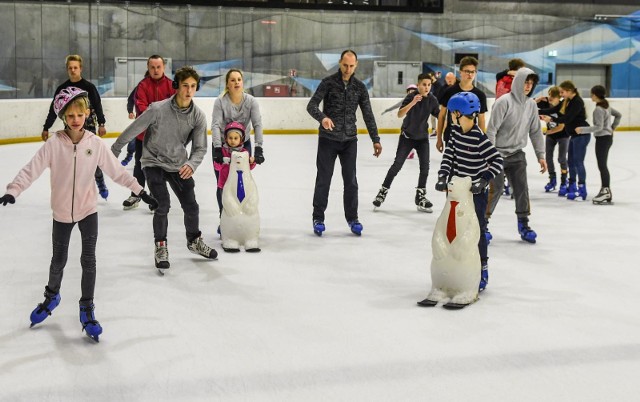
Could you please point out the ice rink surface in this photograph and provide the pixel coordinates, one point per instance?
(331, 318)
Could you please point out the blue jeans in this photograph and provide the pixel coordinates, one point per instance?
(577, 153)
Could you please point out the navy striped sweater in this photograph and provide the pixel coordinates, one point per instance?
(470, 154)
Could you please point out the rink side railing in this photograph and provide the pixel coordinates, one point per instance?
(21, 120)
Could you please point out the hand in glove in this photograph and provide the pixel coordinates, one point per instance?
(7, 199)
(441, 185)
(258, 155)
(217, 155)
(479, 186)
(153, 204)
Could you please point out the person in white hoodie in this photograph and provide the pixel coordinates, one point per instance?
(72, 156)
(514, 117)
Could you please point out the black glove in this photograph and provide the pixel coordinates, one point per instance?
(258, 155)
(441, 185)
(153, 204)
(217, 155)
(479, 186)
(7, 199)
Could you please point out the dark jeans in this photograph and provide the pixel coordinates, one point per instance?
(328, 150)
(157, 179)
(480, 202)
(131, 147)
(577, 153)
(515, 168)
(137, 167)
(61, 233)
(405, 145)
(603, 144)
(563, 147)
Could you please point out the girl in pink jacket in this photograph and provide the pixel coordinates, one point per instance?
(234, 138)
(72, 156)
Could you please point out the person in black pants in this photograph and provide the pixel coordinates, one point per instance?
(416, 109)
(341, 94)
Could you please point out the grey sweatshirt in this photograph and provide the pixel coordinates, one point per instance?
(169, 131)
(247, 113)
(514, 117)
(602, 122)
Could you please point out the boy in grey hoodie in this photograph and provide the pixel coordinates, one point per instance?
(170, 125)
(514, 117)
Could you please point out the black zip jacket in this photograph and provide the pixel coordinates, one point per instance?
(339, 103)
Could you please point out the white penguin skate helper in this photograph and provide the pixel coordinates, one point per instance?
(240, 220)
(455, 265)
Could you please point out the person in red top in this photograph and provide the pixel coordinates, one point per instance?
(156, 86)
(505, 78)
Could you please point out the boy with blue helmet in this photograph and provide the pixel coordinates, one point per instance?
(470, 153)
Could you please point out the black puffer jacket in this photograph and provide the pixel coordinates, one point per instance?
(339, 103)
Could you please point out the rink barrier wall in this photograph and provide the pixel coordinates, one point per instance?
(21, 119)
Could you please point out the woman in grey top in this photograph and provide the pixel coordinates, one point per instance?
(602, 129)
(235, 105)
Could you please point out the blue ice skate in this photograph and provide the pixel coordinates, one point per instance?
(526, 233)
(356, 227)
(44, 309)
(484, 277)
(318, 227)
(89, 324)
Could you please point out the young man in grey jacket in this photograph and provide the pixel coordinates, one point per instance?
(514, 117)
(170, 125)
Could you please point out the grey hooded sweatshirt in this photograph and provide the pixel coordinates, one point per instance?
(514, 116)
(169, 130)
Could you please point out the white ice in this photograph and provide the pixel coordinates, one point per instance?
(331, 318)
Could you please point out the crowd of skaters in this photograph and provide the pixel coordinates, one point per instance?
(167, 120)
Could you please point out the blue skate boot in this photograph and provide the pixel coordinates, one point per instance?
(526, 233)
(563, 189)
(551, 185)
(484, 277)
(581, 192)
(488, 236)
(89, 324)
(572, 189)
(355, 226)
(318, 227)
(44, 309)
(102, 187)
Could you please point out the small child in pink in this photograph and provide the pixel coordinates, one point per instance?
(234, 137)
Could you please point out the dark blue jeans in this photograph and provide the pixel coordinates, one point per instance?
(480, 203)
(405, 145)
(328, 151)
(577, 153)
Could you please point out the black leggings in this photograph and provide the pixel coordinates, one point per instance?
(603, 144)
(61, 234)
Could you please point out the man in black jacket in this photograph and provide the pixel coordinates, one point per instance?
(341, 94)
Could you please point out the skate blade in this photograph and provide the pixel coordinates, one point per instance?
(161, 271)
(423, 209)
(131, 207)
(603, 203)
(253, 250)
(231, 250)
(95, 338)
(427, 303)
(458, 306)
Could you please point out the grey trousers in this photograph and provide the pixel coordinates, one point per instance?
(515, 168)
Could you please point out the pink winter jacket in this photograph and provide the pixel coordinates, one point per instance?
(72, 168)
